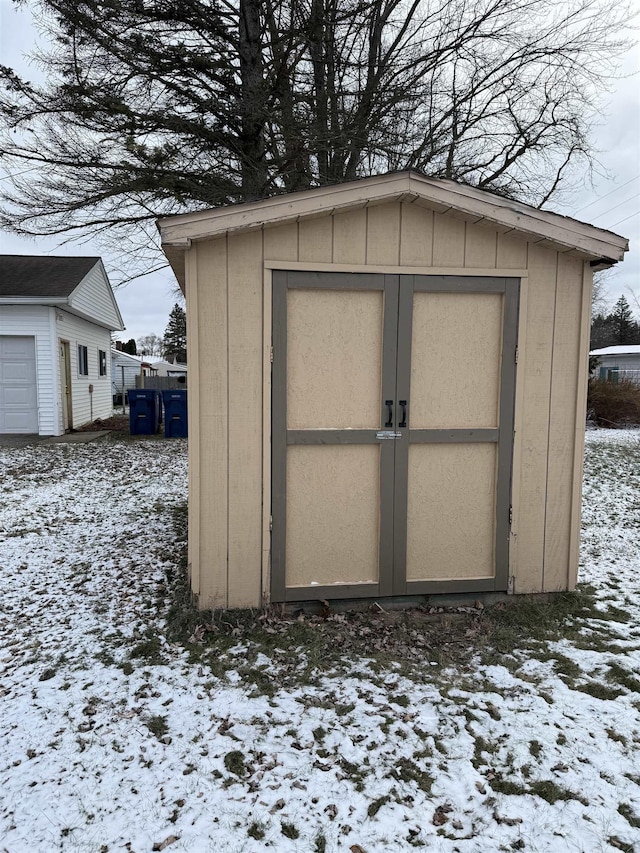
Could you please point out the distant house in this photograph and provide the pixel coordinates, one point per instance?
(56, 319)
(124, 370)
(127, 369)
(618, 362)
(171, 369)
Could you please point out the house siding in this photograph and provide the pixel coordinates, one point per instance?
(35, 321)
(131, 370)
(623, 361)
(94, 298)
(78, 332)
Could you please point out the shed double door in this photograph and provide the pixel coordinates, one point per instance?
(392, 434)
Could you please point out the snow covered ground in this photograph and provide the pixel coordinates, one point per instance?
(114, 738)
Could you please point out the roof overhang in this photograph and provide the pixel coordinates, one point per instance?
(552, 230)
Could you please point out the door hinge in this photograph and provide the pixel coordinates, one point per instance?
(510, 516)
(271, 354)
(511, 585)
(515, 356)
(270, 523)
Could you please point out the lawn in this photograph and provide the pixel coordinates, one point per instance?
(128, 724)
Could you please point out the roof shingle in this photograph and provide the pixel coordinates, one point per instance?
(45, 277)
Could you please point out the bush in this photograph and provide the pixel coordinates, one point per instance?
(613, 404)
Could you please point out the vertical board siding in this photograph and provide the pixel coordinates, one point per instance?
(480, 246)
(383, 234)
(448, 241)
(194, 356)
(562, 423)
(581, 410)
(245, 418)
(281, 244)
(416, 236)
(94, 297)
(213, 391)
(229, 336)
(535, 419)
(35, 321)
(350, 237)
(315, 240)
(511, 252)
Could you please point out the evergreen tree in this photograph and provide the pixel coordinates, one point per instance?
(616, 328)
(624, 328)
(175, 336)
(130, 347)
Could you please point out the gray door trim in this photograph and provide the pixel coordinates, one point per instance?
(281, 437)
(453, 436)
(396, 376)
(502, 436)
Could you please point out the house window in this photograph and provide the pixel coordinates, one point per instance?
(102, 362)
(83, 361)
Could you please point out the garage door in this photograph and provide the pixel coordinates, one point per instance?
(393, 402)
(18, 396)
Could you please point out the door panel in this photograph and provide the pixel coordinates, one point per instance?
(333, 334)
(451, 511)
(455, 360)
(333, 514)
(392, 433)
(334, 340)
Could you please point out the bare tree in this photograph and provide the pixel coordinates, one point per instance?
(151, 345)
(153, 107)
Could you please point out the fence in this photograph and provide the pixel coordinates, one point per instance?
(162, 383)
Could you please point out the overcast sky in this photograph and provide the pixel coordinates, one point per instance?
(612, 203)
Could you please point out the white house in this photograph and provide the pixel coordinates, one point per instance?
(618, 362)
(172, 369)
(56, 319)
(124, 370)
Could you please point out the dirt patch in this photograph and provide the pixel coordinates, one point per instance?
(117, 423)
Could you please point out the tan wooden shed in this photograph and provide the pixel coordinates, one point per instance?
(387, 389)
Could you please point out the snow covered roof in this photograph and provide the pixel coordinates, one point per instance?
(622, 349)
(116, 353)
(170, 365)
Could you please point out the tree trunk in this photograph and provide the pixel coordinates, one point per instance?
(254, 166)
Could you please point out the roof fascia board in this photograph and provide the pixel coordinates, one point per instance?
(33, 300)
(84, 316)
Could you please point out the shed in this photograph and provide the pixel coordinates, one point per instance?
(621, 361)
(56, 319)
(387, 391)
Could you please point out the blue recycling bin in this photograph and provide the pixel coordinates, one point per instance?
(145, 411)
(175, 414)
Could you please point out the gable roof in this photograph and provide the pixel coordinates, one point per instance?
(552, 230)
(30, 275)
(127, 356)
(79, 285)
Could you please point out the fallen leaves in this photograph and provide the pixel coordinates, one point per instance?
(441, 814)
(162, 845)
